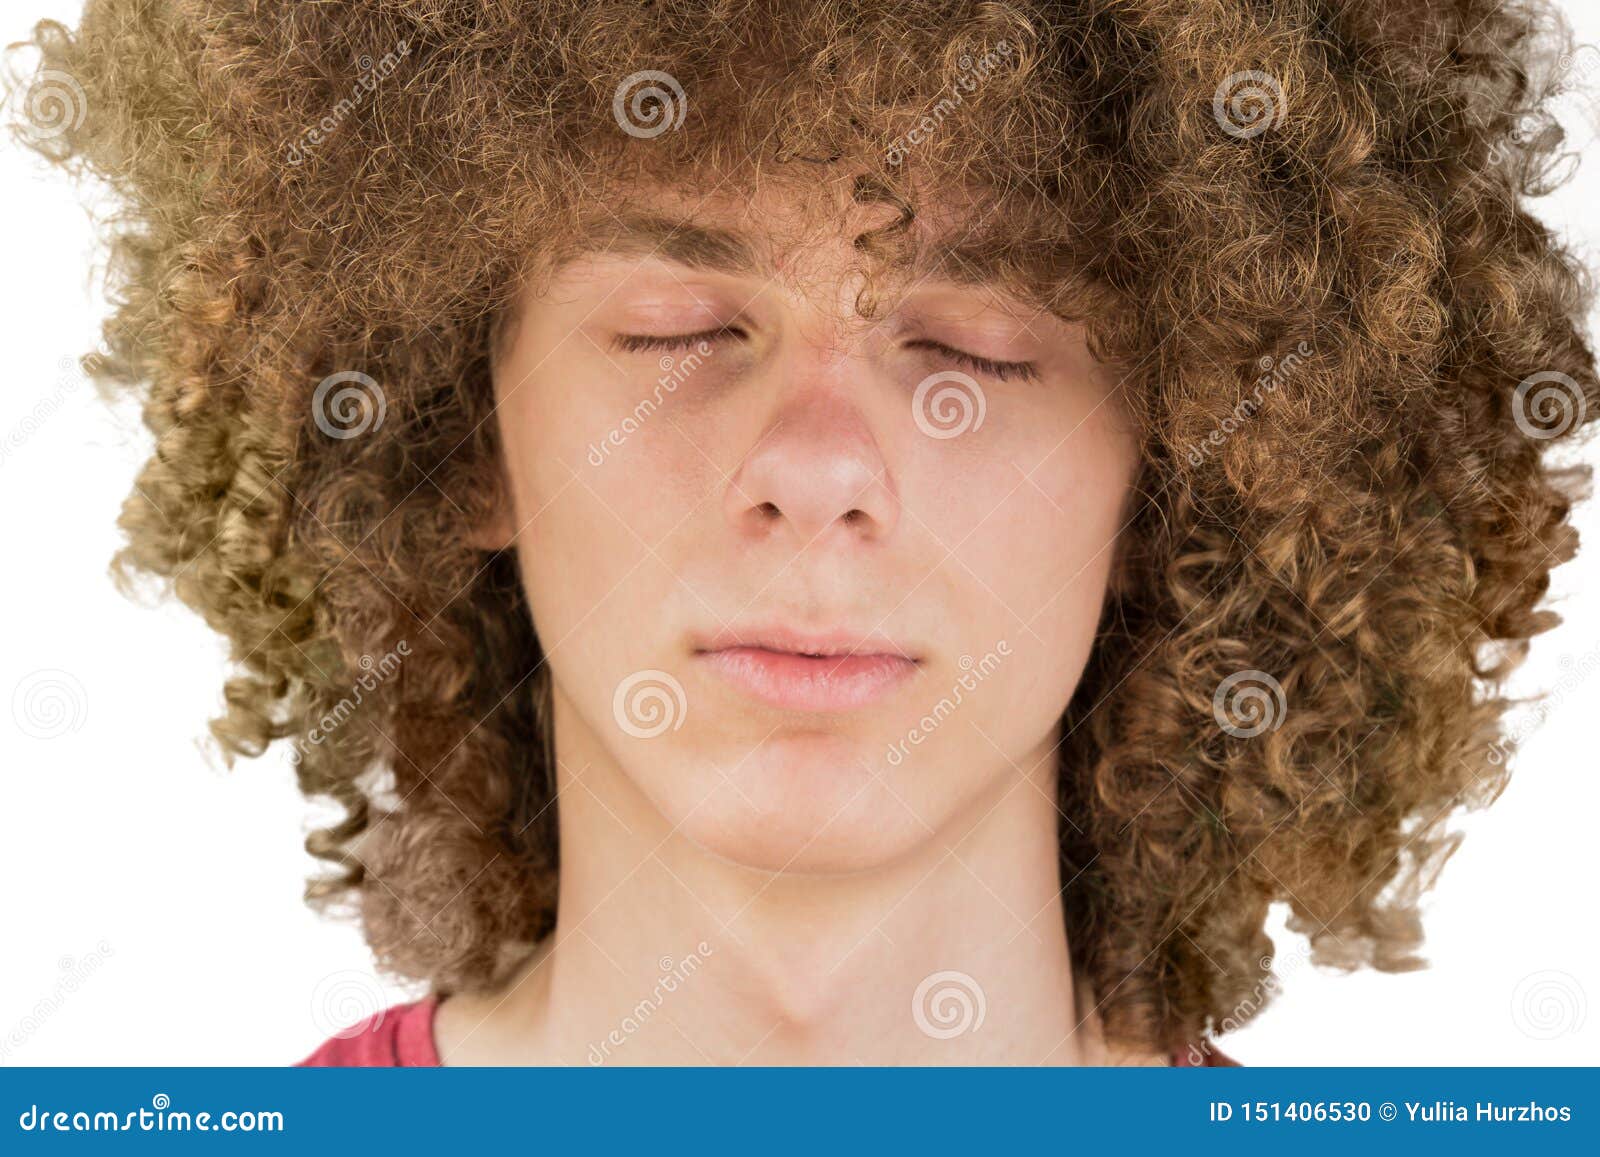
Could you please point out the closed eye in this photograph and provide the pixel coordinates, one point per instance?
(642, 342)
(1001, 371)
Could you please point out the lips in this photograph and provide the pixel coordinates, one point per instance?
(838, 671)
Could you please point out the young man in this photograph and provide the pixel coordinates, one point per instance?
(877, 533)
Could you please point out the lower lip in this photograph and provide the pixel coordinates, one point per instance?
(801, 683)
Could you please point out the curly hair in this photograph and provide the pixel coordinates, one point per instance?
(1298, 227)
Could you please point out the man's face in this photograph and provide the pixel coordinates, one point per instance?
(814, 588)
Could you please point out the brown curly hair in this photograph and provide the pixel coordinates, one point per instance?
(1298, 226)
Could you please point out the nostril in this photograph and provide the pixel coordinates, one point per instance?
(770, 509)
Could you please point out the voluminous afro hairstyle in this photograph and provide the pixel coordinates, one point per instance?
(1298, 227)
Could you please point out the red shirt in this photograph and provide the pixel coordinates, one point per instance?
(402, 1036)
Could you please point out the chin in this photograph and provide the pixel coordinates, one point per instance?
(800, 804)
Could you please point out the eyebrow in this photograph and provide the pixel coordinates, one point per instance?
(963, 260)
(701, 247)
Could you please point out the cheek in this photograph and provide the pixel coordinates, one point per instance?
(575, 421)
(1040, 544)
(598, 484)
(1068, 532)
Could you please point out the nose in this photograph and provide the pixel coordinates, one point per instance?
(816, 471)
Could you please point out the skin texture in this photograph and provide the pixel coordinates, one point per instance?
(1298, 234)
(786, 479)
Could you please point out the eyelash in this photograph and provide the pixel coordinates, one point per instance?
(1001, 371)
(634, 343)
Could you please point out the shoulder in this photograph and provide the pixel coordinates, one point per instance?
(398, 1036)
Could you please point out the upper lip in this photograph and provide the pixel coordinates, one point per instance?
(776, 637)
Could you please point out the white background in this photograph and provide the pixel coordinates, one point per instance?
(151, 898)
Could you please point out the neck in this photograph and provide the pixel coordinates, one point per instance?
(664, 953)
